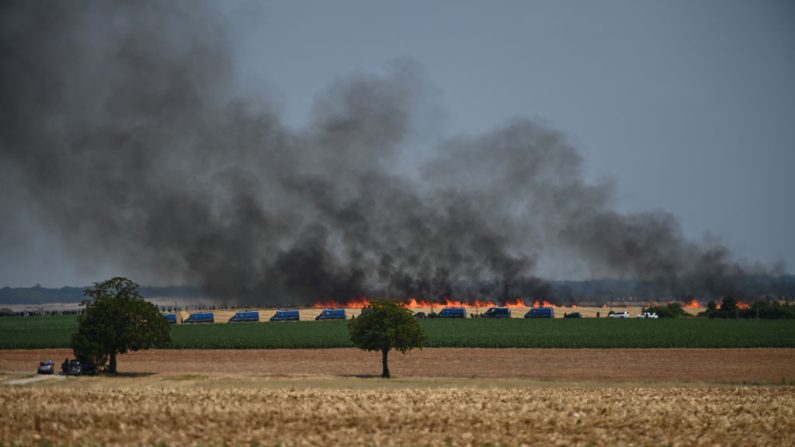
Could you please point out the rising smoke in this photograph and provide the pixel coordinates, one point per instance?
(121, 126)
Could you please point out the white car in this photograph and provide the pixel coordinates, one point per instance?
(648, 315)
(624, 314)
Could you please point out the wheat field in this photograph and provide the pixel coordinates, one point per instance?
(182, 410)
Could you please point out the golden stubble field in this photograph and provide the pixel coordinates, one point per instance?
(440, 397)
(246, 409)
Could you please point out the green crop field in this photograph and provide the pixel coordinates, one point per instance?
(55, 332)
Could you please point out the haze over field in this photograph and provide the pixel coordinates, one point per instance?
(135, 141)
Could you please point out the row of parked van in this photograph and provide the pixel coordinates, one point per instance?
(339, 314)
(253, 316)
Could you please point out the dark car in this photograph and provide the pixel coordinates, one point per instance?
(80, 368)
(420, 315)
(573, 315)
(46, 367)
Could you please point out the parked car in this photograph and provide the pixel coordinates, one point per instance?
(497, 312)
(46, 367)
(540, 312)
(245, 316)
(453, 312)
(648, 315)
(331, 314)
(286, 315)
(420, 315)
(623, 314)
(80, 368)
(572, 315)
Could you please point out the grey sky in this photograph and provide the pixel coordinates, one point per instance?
(688, 107)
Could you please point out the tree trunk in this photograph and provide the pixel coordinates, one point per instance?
(385, 372)
(112, 366)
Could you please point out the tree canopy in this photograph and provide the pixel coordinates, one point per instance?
(386, 325)
(116, 320)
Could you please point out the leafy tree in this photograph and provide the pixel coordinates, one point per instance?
(671, 310)
(117, 320)
(386, 325)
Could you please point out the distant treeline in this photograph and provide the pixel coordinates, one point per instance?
(561, 292)
(44, 295)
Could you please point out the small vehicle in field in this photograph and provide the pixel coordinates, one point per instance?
(331, 314)
(648, 315)
(46, 367)
(540, 312)
(80, 368)
(203, 317)
(420, 315)
(453, 312)
(572, 315)
(286, 315)
(497, 312)
(623, 314)
(245, 316)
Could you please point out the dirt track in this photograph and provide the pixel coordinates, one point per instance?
(672, 365)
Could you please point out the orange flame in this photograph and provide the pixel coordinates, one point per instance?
(543, 303)
(693, 304)
(518, 302)
(740, 305)
(414, 303)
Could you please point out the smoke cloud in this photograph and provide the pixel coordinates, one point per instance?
(122, 129)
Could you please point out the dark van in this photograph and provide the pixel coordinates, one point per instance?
(453, 312)
(246, 316)
(541, 312)
(204, 317)
(286, 315)
(331, 314)
(497, 312)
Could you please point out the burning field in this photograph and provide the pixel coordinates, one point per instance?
(194, 409)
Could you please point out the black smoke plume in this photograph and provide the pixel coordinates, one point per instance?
(121, 126)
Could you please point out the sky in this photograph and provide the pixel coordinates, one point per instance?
(685, 106)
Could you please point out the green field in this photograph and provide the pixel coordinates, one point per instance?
(55, 332)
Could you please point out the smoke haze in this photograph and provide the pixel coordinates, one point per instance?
(123, 135)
